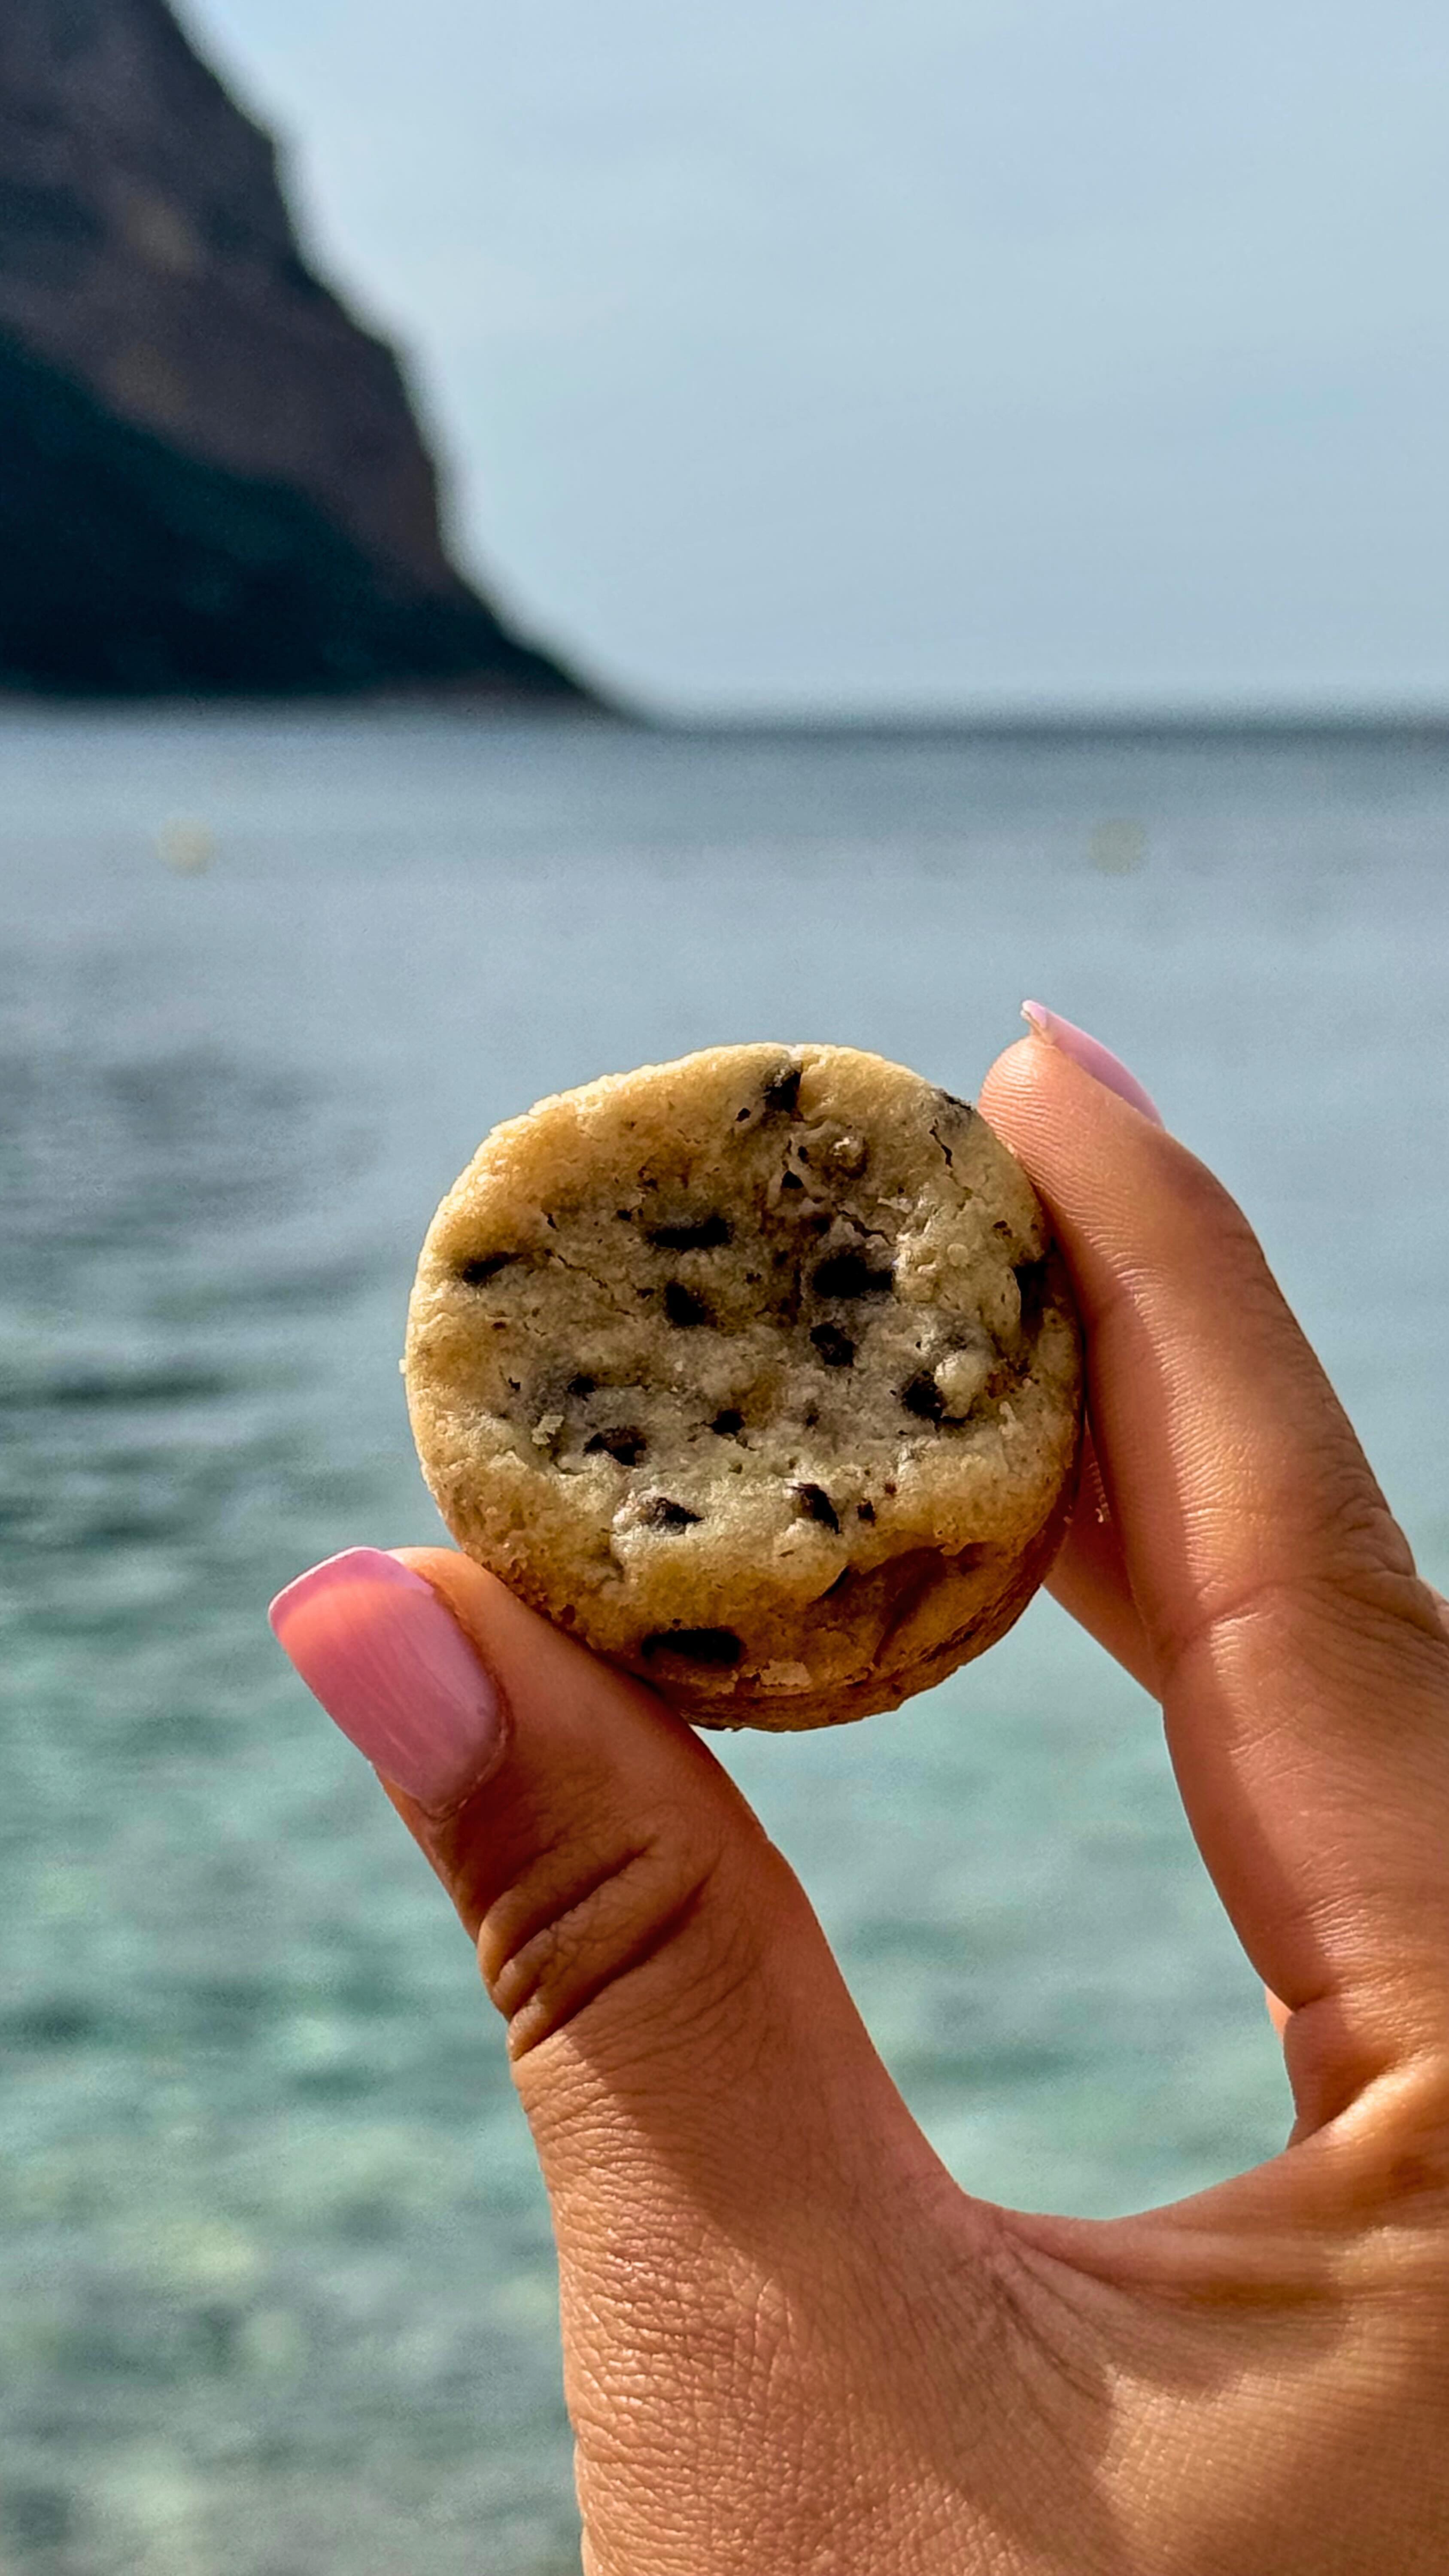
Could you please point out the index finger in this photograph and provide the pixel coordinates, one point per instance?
(1303, 1670)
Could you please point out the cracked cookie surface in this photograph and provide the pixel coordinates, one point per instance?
(758, 1372)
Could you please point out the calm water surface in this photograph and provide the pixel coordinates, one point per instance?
(277, 2297)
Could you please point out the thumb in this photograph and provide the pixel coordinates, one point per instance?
(712, 2120)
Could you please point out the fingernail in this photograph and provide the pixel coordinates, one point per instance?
(394, 1670)
(1091, 1055)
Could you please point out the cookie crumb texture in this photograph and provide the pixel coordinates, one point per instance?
(758, 1372)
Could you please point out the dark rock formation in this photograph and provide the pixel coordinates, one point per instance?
(210, 477)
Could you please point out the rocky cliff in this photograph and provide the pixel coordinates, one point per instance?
(210, 476)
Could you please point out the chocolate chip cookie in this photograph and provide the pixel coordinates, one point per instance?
(758, 1372)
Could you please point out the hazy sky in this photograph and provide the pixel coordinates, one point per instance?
(811, 353)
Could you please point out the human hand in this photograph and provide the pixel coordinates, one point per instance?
(793, 2346)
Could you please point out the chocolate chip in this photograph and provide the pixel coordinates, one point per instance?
(865, 1511)
(728, 1423)
(681, 1304)
(695, 1645)
(626, 1446)
(701, 1235)
(835, 1347)
(1032, 1282)
(783, 1093)
(849, 1274)
(581, 1386)
(791, 1181)
(924, 1397)
(658, 1512)
(483, 1267)
(817, 1506)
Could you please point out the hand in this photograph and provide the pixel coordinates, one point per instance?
(792, 2344)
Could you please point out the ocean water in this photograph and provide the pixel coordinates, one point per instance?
(276, 2296)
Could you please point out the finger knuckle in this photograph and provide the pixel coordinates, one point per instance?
(555, 1947)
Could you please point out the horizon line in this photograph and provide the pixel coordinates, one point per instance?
(1185, 720)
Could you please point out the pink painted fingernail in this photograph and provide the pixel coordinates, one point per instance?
(394, 1670)
(1091, 1055)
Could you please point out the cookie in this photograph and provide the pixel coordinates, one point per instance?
(758, 1372)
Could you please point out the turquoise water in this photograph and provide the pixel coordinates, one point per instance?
(275, 2287)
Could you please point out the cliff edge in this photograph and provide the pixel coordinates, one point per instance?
(211, 477)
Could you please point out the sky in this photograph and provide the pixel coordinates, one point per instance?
(798, 356)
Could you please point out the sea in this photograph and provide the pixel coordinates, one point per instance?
(276, 2290)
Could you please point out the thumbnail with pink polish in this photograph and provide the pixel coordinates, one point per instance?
(394, 1671)
(1092, 1056)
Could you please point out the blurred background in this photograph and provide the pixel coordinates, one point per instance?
(806, 524)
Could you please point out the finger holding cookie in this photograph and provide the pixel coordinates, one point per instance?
(791, 2341)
